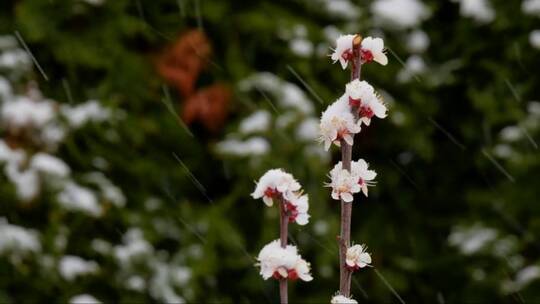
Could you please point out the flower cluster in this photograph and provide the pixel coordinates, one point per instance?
(371, 49)
(357, 257)
(280, 185)
(340, 299)
(364, 101)
(273, 184)
(338, 122)
(344, 183)
(342, 119)
(281, 263)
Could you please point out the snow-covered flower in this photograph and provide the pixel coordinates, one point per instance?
(531, 7)
(417, 41)
(337, 122)
(280, 263)
(343, 51)
(297, 208)
(71, 267)
(17, 240)
(357, 257)
(365, 176)
(414, 65)
(49, 164)
(90, 111)
(534, 39)
(253, 146)
(340, 299)
(24, 112)
(345, 183)
(273, 183)
(83, 299)
(365, 101)
(472, 239)
(256, 122)
(480, 10)
(372, 49)
(77, 198)
(399, 14)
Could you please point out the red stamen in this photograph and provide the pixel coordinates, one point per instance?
(360, 181)
(366, 55)
(277, 276)
(347, 55)
(365, 112)
(269, 192)
(293, 275)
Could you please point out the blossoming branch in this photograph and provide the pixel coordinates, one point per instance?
(277, 259)
(339, 124)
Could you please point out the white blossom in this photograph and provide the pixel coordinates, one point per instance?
(301, 47)
(297, 208)
(480, 10)
(275, 261)
(70, 267)
(357, 257)
(373, 49)
(15, 59)
(77, 198)
(470, 240)
(399, 13)
(109, 191)
(84, 299)
(5, 89)
(17, 240)
(340, 299)
(343, 51)
(341, 8)
(288, 95)
(90, 111)
(531, 7)
(365, 176)
(22, 112)
(414, 65)
(134, 247)
(27, 184)
(308, 130)
(534, 39)
(49, 164)
(94, 2)
(337, 122)
(256, 122)
(254, 146)
(417, 41)
(365, 101)
(345, 182)
(273, 183)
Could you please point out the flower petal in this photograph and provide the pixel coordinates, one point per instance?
(347, 197)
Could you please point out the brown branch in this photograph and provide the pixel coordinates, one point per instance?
(345, 274)
(283, 233)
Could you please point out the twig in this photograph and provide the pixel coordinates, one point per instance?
(345, 274)
(283, 233)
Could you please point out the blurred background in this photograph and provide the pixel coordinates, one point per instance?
(132, 132)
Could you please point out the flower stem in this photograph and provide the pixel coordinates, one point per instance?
(345, 274)
(283, 233)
